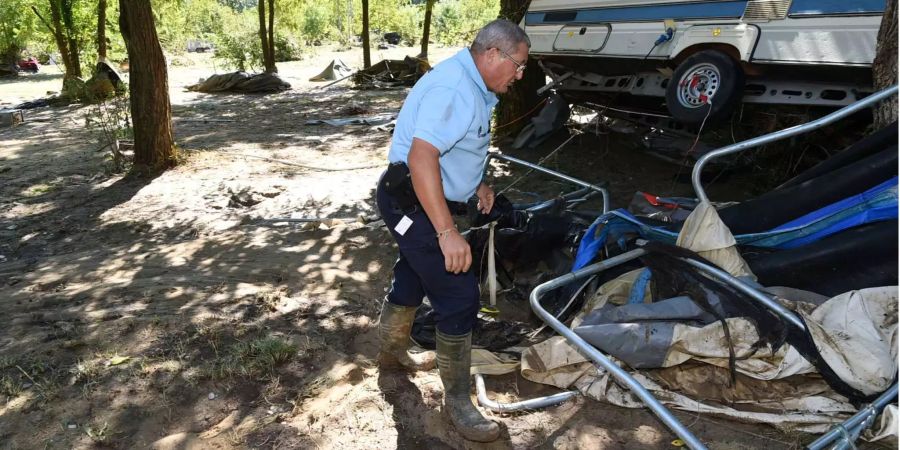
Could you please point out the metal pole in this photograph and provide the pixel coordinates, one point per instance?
(852, 436)
(763, 298)
(785, 133)
(534, 403)
(854, 421)
(598, 357)
(554, 173)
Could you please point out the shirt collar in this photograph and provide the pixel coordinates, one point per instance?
(465, 58)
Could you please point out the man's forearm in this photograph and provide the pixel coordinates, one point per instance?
(425, 170)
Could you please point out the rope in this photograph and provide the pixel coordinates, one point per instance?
(522, 116)
(640, 113)
(696, 140)
(574, 133)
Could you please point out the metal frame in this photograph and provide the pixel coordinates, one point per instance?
(596, 355)
(848, 430)
(852, 427)
(573, 180)
(539, 402)
(785, 133)
(534, 403)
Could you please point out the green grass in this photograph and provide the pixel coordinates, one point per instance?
(257, 358)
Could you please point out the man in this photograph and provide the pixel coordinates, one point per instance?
(438, 155)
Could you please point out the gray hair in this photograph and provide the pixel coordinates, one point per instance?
(501, 34)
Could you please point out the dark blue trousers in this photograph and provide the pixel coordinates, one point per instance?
(420, 271)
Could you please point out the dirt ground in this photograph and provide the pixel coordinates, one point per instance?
(170, 314)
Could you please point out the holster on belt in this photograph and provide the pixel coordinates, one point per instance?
(397, 182)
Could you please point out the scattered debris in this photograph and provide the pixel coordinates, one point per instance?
(390, 73)
(392, 38)
(375, 120)
(116, 360)
(245, 196)
(353, 109)
(11, 117)
(39, 103)
(242, 82)
(684, 151)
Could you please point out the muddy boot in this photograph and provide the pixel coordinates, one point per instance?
(393, 330)
(454, 354)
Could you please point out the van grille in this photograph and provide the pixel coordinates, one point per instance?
(765, 10)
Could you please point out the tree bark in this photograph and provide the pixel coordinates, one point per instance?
(267, 34)
(426, 31)
(884, 68)
(270, 63)
(263, 35)
(69, 30)
(367, 59)
(101, 29)
(151, 113)
(518, 103)
(62, 44)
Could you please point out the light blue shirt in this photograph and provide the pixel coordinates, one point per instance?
(450, 108)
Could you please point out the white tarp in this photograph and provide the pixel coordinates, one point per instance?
(856, 333)
(704, 233)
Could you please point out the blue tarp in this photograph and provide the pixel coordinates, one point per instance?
(876, 204)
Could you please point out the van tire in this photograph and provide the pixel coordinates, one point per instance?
(711, 75)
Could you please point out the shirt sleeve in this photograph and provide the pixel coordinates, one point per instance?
(443, 118)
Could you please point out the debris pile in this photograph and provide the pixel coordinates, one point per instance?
(242, 82)
(391, 73)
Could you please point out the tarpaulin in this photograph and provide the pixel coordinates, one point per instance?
(862, 349)
(874, 205)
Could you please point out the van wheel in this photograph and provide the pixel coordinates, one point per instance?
(708, 83)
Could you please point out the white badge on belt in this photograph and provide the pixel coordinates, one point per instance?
(403, 225)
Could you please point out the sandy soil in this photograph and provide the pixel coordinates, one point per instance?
(167, 313)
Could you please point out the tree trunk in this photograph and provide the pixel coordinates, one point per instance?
(518, 104)
(267, 34)
(263, 35)
(426, 31)
(367, 59)
(62, 44)
(101, 29)
(884, 69)
(69, 23)
(270, 63)
(151, 113)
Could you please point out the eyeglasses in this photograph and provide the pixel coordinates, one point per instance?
(519, 66)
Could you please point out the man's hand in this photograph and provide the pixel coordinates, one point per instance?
(457, 253)
(485, 198)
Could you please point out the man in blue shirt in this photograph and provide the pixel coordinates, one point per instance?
(438, 156)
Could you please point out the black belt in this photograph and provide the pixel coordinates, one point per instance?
(397, 182)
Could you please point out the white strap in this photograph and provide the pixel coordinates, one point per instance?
(492, 268)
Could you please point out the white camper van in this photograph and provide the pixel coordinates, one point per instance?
(706, 56)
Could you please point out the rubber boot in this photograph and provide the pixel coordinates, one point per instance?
(393, 330)
(454, 355)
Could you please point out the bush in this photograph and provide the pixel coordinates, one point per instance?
(287, 49)
(457, 21)
(237, 42)
(316, 25)
(240, 51)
